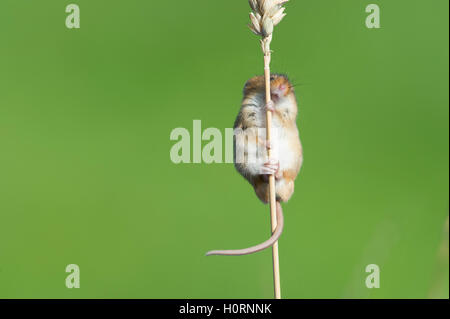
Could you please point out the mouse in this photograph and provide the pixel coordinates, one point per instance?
(250, 147)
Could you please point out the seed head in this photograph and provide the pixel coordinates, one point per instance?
(265, 15)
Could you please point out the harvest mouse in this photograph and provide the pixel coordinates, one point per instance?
(251, 159)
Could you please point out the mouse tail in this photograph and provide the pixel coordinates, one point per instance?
(268, 243)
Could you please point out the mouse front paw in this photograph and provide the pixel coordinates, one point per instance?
(270, 106)
(271, 167)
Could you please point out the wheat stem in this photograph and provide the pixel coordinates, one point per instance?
(265, 15)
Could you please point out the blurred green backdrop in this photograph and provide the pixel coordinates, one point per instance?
(86, 177)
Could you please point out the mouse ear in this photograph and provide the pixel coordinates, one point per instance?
(252, 83)
(246, 86)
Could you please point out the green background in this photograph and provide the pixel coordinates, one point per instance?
(86, 176)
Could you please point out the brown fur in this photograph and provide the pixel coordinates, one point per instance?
(247, 119)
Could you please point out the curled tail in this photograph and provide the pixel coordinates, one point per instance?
(246, 251)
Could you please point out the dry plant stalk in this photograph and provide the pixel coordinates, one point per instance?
(265, 15)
